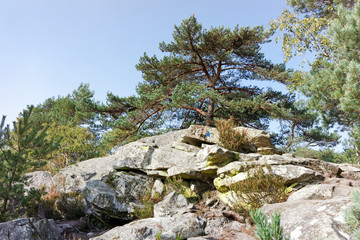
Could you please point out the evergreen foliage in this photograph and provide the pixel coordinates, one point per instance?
(267, 230)
(207, 74)
(352, 215)
(21, 149)
(73, 122)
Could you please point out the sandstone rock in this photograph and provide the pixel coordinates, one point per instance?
(29, 229)
(296, 174)
(38, 180)
(220, 227)
(165, 140)
(197, 135)
(172, 204)
(165, 158)
(135, 155)
(130, 186)
(74, 177)
(157, 188)
(313, 192)
(168, 228)
(260, 138)
(312, 219)
(103, 201)
(293, 174)
(213, 155)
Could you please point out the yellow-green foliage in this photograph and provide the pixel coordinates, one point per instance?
(229, 138)
(258, 189)
(178, 185)
(352, 215)
(146, 210)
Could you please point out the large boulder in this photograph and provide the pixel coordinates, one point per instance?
(167, 228)
(114, 199)
(29, 229)
(316, 211)
(172, 204)
(38, 180)
(103, 202)
(198, 134)
(74, 177)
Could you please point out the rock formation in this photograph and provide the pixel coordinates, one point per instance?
(113, 186)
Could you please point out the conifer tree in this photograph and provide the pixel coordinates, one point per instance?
(207, 74)
(21, 150)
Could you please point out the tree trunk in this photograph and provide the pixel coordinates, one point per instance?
(210, 113)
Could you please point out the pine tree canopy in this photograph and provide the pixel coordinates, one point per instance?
(205, 74)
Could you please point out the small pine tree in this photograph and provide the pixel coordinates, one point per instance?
(21, 150)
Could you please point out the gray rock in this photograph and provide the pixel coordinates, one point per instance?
(312, 219)
(313, 192)
(135, 155)
(73, 178)
(29, 229)
(157, 188)
(168, 228)
(38, 180)
(293, 174)
(131, 187)
(296, 174)
(165, 158)
(103, 201)
(172, 204)
(114, 199)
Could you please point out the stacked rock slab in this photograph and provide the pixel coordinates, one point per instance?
(112, 185)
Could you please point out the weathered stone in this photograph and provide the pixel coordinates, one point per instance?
(260, 138)
(350, 171)
(165, 140)
(168, 228)
(313, 192)
(158, 188)
(165, 158)
(295, 174)
(74, 177)
(103, 201)
(172, 204)
(312, 219)
(131, 187)
(220, 227)
(213, 155)
(39, 179)
(29, 229)
(185, 147)
(135, 155)
(199, 134)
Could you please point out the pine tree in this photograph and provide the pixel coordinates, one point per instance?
(207, 74)
(21, 150)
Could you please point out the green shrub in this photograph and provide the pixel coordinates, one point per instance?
(146, 208)
(229, 138)
(178, 185)
(267, 230)
(258, 189)
(352, 215)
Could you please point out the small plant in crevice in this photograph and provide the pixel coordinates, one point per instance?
(352, 215)
(259, 188)
(146, 207)
(178, 185)
(230, 138)
(267, 230)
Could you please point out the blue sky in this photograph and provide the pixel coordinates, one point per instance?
(49, 47)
